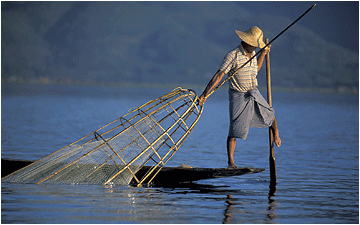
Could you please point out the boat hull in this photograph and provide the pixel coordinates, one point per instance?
(166, 176)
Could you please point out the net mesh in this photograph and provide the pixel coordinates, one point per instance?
(149, 134)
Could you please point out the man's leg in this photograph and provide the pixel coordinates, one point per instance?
(231, 144)
(277, 139)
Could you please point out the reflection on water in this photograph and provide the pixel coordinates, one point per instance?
(271, 209)
(187, 203)
(272, 203)
(228, 210)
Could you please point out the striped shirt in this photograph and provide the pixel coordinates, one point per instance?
(245, 79)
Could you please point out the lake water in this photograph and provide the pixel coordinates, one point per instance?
(317, 164)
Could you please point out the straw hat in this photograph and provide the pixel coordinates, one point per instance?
(253, 36)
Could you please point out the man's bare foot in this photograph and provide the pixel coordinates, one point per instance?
(275, 131)
(232, 166)
(277, 140)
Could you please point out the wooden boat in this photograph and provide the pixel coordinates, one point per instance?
(167, 176)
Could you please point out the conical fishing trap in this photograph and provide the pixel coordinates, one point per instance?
(149, 134)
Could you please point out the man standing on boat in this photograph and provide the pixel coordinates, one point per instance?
(247, 107)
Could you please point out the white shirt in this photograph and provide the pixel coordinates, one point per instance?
(245, 79)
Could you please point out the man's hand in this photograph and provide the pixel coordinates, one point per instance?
(211, 85)
(266, 50)
(261, 57)
(202, 100)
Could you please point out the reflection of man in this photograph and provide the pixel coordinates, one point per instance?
(228, 211)
(247, 107)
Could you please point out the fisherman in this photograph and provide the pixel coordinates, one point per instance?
(247, 107)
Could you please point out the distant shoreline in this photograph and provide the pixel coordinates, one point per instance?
(43, 81)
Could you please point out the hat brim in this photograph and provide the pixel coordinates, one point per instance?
(250, 40)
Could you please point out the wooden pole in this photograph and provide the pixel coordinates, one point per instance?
(272, 162)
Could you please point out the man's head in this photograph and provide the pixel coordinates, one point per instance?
(247, 47)
(253, 37)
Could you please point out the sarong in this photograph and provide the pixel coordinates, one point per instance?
(248, 109)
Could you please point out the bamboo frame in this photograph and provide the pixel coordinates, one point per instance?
(163, 131)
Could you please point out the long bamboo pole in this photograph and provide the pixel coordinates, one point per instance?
(272, 161)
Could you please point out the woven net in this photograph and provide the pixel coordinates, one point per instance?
(150, 134)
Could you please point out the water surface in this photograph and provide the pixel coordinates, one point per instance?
(317, 164)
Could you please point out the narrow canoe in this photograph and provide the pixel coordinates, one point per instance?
(166, 176)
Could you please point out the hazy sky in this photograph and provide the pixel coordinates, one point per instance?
(335, 21)
(72, 39)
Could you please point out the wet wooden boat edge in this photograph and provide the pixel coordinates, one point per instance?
(167, 175)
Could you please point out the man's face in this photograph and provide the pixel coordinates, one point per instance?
(249, 48)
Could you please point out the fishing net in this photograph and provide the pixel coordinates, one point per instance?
(149, 134)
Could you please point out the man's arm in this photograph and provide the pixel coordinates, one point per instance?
(261, 57)
(211, 85)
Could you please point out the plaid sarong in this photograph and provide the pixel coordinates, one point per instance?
(248, 109)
